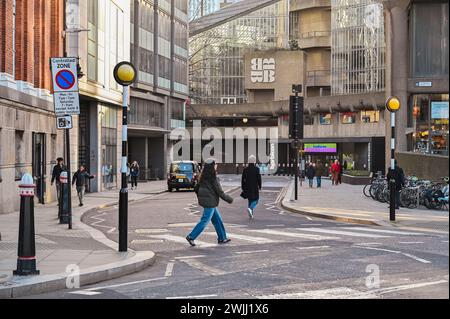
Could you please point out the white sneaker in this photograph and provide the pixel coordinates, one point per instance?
(250, 213)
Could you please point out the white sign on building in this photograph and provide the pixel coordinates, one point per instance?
(263, 70)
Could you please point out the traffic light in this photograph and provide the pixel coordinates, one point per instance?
(296, 107)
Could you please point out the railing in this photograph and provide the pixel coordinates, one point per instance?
(313, 34)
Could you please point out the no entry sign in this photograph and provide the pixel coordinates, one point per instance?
(65, 86)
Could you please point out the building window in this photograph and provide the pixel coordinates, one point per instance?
(92, 39)
(109, 145)
(116, 40)
(429, 116)
(325, 119)
(429, 54)
(308, 119)
(145, 112)
(370, 116)
(348, 118)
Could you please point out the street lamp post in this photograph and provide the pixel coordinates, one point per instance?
(393, 105)
(124, 74)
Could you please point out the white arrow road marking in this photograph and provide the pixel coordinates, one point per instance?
(396, 252)
(203, 267)
(341, 232)
(289, 234)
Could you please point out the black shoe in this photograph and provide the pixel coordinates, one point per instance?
(190, 241)
(80, 205)
(226, 241)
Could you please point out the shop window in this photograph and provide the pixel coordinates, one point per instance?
(348, 118)
(325, 119)
(429, 116)
(370, 116)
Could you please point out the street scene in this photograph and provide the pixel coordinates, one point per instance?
(213, 150)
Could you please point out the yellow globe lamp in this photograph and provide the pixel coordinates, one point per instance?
(393, 104)
(125, 73)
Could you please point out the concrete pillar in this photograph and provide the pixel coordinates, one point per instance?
(146, 157)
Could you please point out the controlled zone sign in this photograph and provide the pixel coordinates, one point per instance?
(65, 86)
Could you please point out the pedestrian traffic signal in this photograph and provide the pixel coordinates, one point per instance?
(296, 117)
(125, 73)
(393, 104)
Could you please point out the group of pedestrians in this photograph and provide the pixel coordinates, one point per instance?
(209, 192)
(318, 170)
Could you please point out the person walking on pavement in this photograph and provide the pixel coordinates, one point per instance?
(209, 192)
(310, 173)
(57, 170)
(319, 173)
(134, 173)
(80, 178)
(335, 169)
(341, 171)
(251, 184)
(399, 176)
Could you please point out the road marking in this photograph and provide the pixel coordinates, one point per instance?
(289, 234)
(397, 252)
(312, 247)
(251, 252)
(281, 225)
(111, 230)
(236, 226)
(257, 240)
(203, 267)
(146, 241)
(341, 232)
(192, 297)
(100, 220)
(85, 293)
(370, 244)
(189, 257)
(181, 225)
(445, 241)
(169, 269)
(411, 242)
(126, 284)
(311, 224)
(308, 218)
(333, 293)
(151, 231)
(178, 239)
(382, 231)
(409, 286)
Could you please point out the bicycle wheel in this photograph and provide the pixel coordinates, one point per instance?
(366, 190)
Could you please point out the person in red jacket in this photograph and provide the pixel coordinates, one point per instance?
(335, 171)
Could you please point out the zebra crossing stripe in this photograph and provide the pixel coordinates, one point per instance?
(290, 234)
(256, 240)
(342, 232)
(383, 231)
(178, 239)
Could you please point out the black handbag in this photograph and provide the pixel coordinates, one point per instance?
(244, 195)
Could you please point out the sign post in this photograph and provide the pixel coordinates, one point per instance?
(296, 127)
(124, 74)
(393, 105)
(67, 102)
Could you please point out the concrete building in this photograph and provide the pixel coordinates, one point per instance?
(159, 50)
(98, 32)
(30, 33)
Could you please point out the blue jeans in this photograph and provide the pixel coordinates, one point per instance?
(213, 215)
(319, 181)
(252, 204)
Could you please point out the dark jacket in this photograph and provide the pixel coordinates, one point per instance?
(208, 194)
(134, 171)
(251, 182)
(310, 172)
(57, 170)
(320, 170)
(81, 178)
(399, 177)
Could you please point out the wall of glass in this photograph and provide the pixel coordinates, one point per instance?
(358, 50)
(217, 55)
(429, 118)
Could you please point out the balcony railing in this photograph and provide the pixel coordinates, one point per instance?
(313, 34)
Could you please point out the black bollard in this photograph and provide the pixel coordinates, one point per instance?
(64, 199)
(26, 252)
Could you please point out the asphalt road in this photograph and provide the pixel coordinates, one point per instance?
(277, 255)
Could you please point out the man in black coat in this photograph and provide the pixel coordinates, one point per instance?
(80, 178)
(251, 185)
(57, 170)
(399, 176)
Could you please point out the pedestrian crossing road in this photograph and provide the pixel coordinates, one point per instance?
(278, 254)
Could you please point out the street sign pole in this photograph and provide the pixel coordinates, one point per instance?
(296, 110)
(69, 183)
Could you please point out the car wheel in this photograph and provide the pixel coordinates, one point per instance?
(170, 189)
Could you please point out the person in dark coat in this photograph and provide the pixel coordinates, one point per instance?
(134, 173)
(209, 192)
(80, 178)
(310, 173)
(320, 171)
(399, 176)
(56, 173)
(251, 184)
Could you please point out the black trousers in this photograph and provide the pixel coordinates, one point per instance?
(134, 181)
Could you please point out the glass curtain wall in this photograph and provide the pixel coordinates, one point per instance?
(358, 50)
(217, 55)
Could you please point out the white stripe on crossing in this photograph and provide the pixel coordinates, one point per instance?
(169, 269)
(178, 239)
(203, 267)
(341, 232)
(382, 231)
(289, 234)
(257, 240)
(312, 247)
